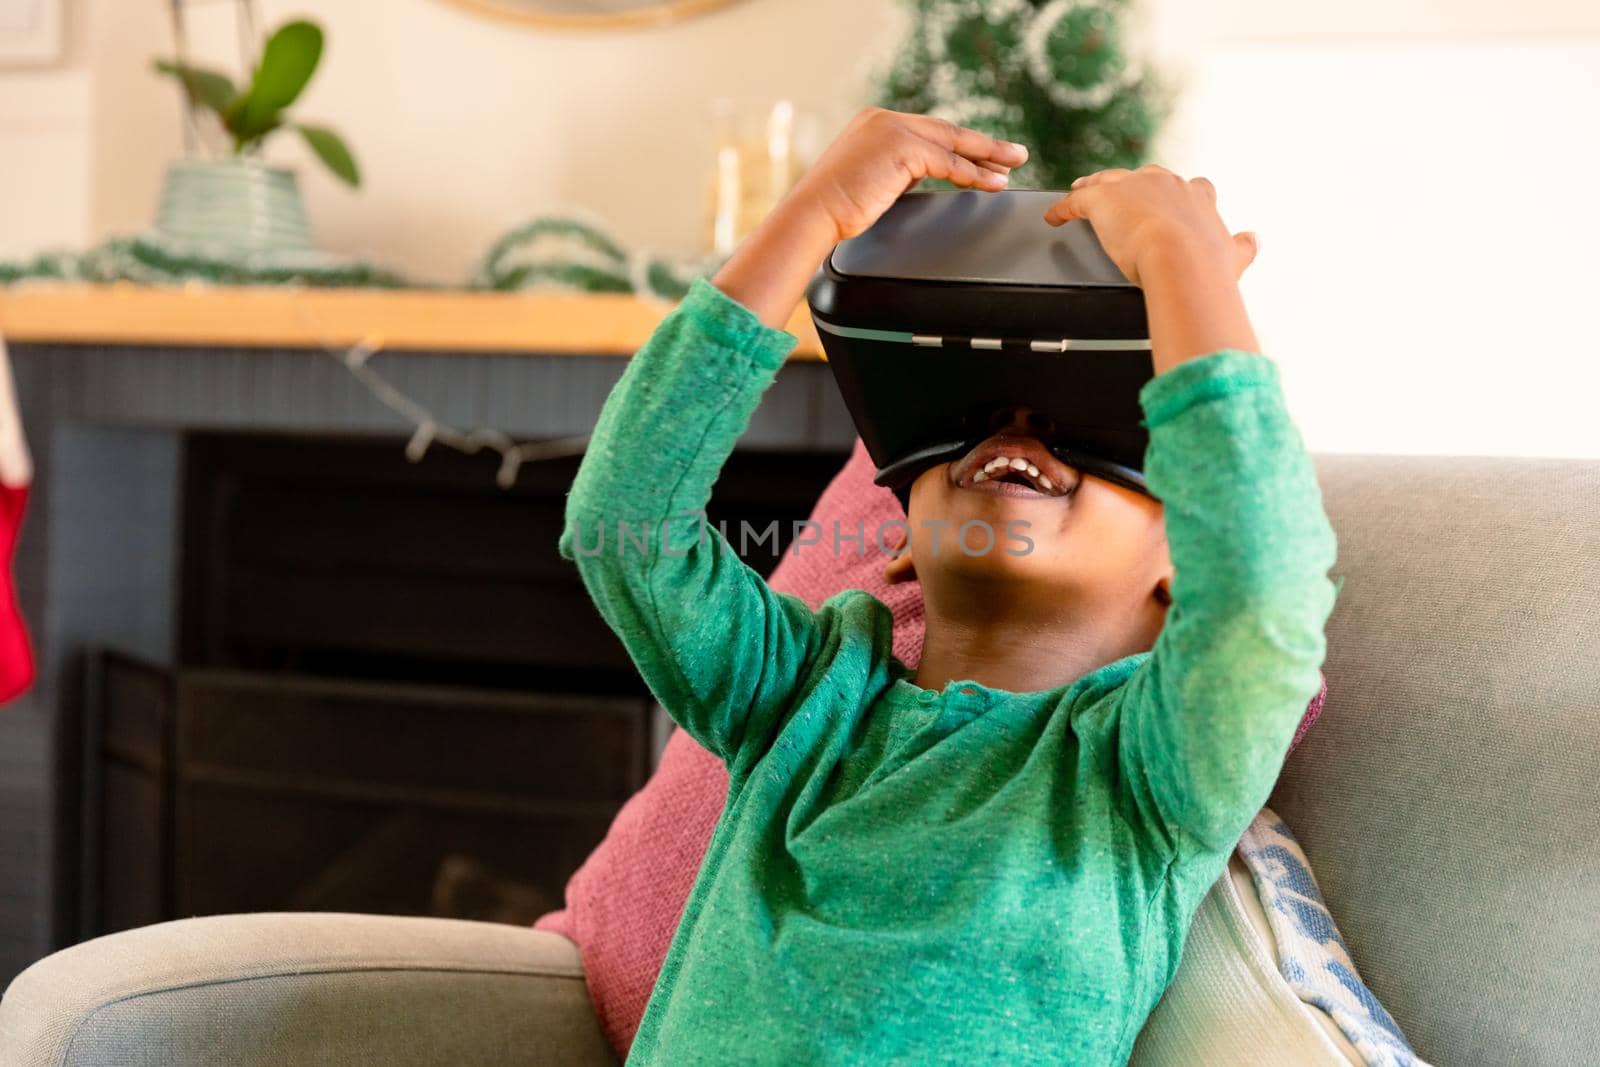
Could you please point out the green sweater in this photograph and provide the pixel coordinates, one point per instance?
(963, 875)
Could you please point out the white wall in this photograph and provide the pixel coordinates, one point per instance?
(1429, 226)
(45, 135)
(1420, 173)
(46, 129)
(466, 126)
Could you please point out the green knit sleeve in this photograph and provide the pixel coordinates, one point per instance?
(1207, 718)
(719, 649)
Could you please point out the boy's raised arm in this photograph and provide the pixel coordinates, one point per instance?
(715, 645)
(721, 651)
(1207, 719)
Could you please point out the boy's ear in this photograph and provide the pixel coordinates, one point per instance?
(900, 569)
(1163, 592)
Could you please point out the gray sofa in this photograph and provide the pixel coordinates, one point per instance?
(1446, 801)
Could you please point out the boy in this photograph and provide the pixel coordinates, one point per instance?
(994, 858)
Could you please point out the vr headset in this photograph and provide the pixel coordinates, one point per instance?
(956, 307)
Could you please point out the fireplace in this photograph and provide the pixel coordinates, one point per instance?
(390, 693)
(122, 436)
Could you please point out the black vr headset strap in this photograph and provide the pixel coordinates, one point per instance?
(900, 474)
(904, 470)
(1103, 469)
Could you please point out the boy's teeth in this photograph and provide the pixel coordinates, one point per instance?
(1003, 465)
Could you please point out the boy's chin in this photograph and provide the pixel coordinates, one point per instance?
(1007, 561)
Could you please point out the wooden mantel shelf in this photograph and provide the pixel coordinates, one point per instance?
(269, 317)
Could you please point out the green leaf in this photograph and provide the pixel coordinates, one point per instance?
(205, 88)
(287, 63)
(330, 148)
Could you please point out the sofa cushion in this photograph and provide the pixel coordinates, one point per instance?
(1446, 801)
(309, 989)
(1265, 979)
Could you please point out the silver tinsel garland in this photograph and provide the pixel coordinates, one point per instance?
(1051, 72)
(966, 96)
(569, 251)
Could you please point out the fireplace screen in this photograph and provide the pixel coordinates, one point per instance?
(391, 693)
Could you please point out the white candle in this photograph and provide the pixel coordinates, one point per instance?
(725, 228)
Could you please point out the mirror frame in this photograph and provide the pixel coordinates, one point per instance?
(657, 14)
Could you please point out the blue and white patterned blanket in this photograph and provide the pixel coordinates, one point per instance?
(1311, 954)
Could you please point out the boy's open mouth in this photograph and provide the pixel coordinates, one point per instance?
(1013, 464)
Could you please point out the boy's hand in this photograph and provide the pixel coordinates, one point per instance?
(881, 154)
(1149, 212)
(1166, 236)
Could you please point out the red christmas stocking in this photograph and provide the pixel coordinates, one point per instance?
(16, 474)
(16, 657)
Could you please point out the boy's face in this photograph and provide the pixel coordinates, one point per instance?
(1061, 540)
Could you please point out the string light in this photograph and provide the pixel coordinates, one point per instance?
(428, 429)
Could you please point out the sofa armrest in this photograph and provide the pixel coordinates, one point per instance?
(311, 989)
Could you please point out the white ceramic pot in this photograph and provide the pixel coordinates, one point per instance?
(233, 206)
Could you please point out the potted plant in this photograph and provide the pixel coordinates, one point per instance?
(238, 206)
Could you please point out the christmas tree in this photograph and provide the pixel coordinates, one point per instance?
(1050, 74)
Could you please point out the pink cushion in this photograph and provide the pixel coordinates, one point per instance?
(623, 904)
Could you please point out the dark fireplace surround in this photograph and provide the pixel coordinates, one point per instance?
(284, 668)
(391, 694)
